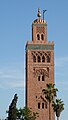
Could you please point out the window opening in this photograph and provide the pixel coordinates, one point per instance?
(48, 69)
(48, 59)
(38, 105)
(43, 78)
(34, 58)
(38, 78)
(36, 96)
(43, 59)
(42, 36)
(39, 59)
(42, 105)
(38, 37)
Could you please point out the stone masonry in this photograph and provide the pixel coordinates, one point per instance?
(39, 69)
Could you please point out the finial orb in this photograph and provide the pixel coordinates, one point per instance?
(39, 13)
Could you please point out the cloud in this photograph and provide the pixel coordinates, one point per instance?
(8, 74)
(12, 83)
(12, 78)
(15, 84)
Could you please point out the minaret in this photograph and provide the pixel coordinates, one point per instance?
(39, 68)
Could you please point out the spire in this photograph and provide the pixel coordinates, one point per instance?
(39, 13)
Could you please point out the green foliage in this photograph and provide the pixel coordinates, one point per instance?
(58, 106)
(20, 114)
(12, 112)
(50, 92)
(26, 114)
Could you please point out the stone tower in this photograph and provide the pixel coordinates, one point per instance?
(39, 68)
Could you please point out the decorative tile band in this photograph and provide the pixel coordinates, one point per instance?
(40, 47)
(40, 24)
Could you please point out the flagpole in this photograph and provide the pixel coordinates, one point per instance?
(43, 13)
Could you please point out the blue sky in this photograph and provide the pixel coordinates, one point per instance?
(16, 17)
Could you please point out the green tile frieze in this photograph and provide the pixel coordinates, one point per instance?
(40, 25)
(40, 47)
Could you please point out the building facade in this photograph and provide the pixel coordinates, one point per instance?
(39, 68)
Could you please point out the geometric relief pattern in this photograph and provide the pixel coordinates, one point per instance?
(40, 29)
(41, 71)
(41, 100)
(41, 56)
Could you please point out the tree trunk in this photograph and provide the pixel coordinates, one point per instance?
(49, 111)
(57, 118)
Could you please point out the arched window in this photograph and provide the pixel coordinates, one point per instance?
(48, 59)
(39, 59)
(38, 105)
(42, 105)
(42, 77)
(34, 58)
(38, 78)
(42, 37)
(43, 59)
(38, 37)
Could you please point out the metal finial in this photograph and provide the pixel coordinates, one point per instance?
(39, 13)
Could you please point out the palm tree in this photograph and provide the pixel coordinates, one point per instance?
(58, 107)
(50, 92)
